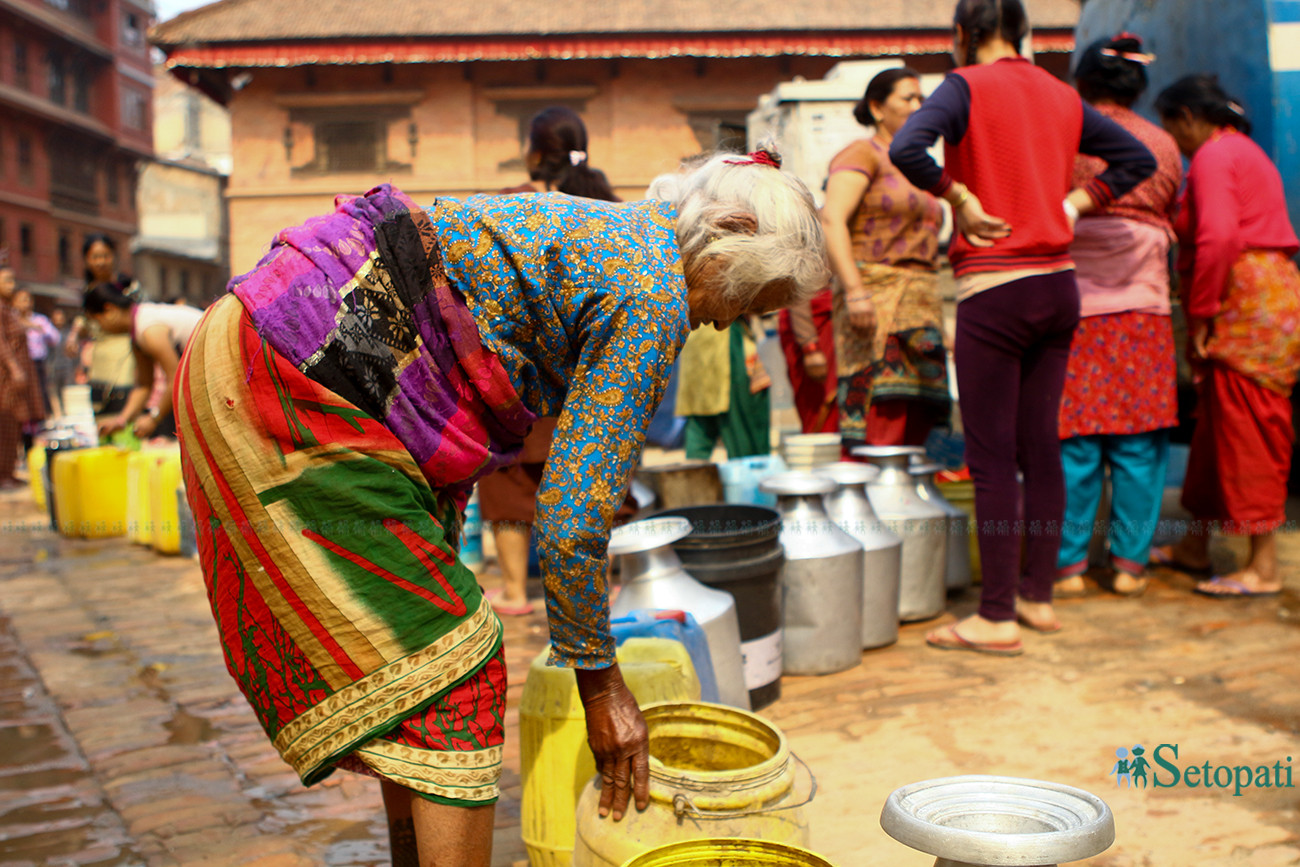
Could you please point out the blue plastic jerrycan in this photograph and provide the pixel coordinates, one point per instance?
(678, 626)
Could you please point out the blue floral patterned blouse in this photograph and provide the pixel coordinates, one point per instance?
(585, 304)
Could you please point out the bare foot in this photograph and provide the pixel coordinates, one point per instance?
(509, 605)
(1247, 582)
(977, 630)
(1068, 587)
(1038, 616)
(1127, 584)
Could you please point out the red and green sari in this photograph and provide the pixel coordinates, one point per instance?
(328, 549)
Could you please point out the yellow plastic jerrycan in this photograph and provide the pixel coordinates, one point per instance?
(555, 760)
(139, 519)
(35, 465)
(90, 489)
(164, 478)
(715, 771)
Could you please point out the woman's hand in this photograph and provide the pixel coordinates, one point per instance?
(816, 366)
(618, 737)
(862, 313)
(980, 229)
(111, 425)
(145, 426)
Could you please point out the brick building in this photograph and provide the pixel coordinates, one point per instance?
(183, 242)
(75, 118)
(327, 96)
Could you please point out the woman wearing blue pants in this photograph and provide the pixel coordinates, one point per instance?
(1120, 392)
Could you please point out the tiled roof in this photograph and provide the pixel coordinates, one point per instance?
(291, 20)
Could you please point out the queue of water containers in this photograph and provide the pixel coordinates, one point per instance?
(851, 550)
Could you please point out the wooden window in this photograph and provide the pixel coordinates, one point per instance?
(74, 173)
(352, 140)
(56, 78)
(350, 146)
(26, 248)
(26, 174)
(65, 253)
(520, 103)
(80, 8)
(112, 186)
(20, 62)
(132, 30)
(134, 108)
(80, 88)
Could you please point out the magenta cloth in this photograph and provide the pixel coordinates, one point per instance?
(445, 396)
(1234, 202)
(1121, 265)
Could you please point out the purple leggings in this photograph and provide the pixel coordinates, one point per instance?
(1013, 342)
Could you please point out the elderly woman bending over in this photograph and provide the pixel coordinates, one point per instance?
(335, 409)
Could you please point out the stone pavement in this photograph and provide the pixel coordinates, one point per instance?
(123, 741)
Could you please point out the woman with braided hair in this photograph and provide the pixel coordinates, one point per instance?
(557, 155)
(1120, 394)
(1012, 132)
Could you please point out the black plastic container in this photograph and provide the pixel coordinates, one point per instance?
(737, 548)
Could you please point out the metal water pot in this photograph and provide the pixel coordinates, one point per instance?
(653, 578)
(923, 527)
(980, 820)
(957, 573)
(821, 581)
(882, 561)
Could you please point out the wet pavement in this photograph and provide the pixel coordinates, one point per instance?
(123, 740)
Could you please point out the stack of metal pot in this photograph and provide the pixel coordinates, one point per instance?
(653, 578)
(957, 571)
(923, 527)
(849, 507)
(821, 581)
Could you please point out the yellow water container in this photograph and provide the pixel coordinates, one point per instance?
(35, 476)
(139, 520)
(67, 498)
(729, 853)
(164, 478)
(555, 760)
(715, 772)
(90, 489)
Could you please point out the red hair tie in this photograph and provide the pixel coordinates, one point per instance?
(758, 158)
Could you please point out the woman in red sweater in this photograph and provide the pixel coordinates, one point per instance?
(1012, 132)
(1241, 293)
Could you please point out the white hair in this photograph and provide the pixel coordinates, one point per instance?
(787, 247)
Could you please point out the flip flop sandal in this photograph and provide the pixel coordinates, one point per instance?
(1239, 590)
(1158, 557)
(950, 639)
